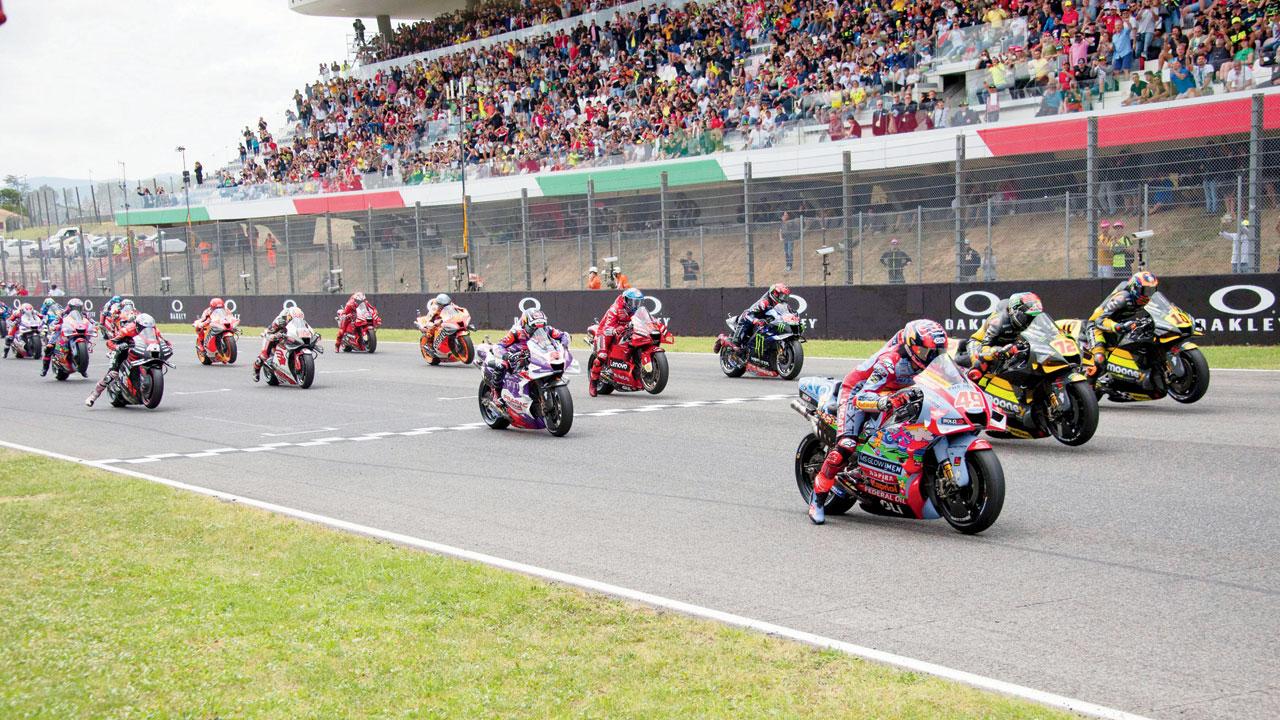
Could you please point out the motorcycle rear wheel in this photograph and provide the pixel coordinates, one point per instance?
(972, 509)
(730, 364)
(557, 410)
(491, 417)
(1194, 382)
(809, 458)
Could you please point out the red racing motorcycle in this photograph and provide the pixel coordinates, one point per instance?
(363, 335)
(71, 355)
(636, 361)
(218, 342)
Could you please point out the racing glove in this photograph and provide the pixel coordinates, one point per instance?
(898, 399)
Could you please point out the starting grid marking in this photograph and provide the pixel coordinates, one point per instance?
(415, 432)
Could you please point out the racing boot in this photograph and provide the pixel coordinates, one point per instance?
(257, 369)
(100, 387)
(818, 508)
(8, 343)
(593, 380)
(44, 369)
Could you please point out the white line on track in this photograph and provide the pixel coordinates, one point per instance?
(460, 397)
(299, 432)
(414, 432)
(341, 372)
(202, 392)
(978, 681)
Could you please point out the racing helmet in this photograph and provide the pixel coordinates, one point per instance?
(631, 299)
(1023, 308)
(358, 297)
(128, 315)
(532, 320)
(26, 308)
(145, 321)
(216, 304)
(779, 292)
(127, 304)
(75, 304)
(1142, 286)
(443, 300)
(114, 299)
(46, 304)
(922, 341)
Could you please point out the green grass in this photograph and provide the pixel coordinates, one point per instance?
(1256, 357)
(124, 598)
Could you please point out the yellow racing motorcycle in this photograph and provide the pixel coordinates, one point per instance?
(1153, 357)
(1041, 389)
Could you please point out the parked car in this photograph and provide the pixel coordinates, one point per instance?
(57, 243)
(30, 248)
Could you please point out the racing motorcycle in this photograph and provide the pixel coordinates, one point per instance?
(28, 342)
(72, 354)
(1041, 390)
(363, 336)
(534, 393)
(774, 349)
(925, 460)
(636, 361)
(1152, 358)
(141, 380)
(450, 341)
(218, 342)
(293, 360)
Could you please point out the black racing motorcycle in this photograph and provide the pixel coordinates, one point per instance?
(774, 349)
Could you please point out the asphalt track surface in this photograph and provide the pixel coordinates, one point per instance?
(1138, 572)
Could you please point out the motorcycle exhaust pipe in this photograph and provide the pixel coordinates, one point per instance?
(801, 408)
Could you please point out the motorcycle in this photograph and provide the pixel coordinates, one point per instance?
(28, 342)
(925, 460)
(1153, 359)
(218, 342)
(636, 361)
(534, 393)
(363, 336)
(450, 341)
(72, 354)
(774, 349)
(1041, 390)
(293, 360)
(141, 381)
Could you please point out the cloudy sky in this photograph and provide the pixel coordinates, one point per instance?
(86, 83)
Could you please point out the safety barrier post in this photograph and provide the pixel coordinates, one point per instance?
(746, 224)
(370, 252)
(1091, 194)
(221, 253)
(1066, 232)
(328, 244)
(861, 274)
(1254, 262)
(417, 239)
(288, 257)
(959, 205)
(664, 240)
(846, 214)
(919, 244)
(591, 221)
(524, 237)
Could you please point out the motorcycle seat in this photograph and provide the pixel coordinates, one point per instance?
(821, 391)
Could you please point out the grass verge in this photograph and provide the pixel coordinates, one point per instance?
(126, 598)
(1253, 357)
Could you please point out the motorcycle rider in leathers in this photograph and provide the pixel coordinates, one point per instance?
(131, 324)
(755, 316)
(615, 320)
(517, 340)
(20, 312)
(273, 335)
(1117, 315)
(54, 338)
(997, 339)
(882, 383)
(201, 323)
(347, 316)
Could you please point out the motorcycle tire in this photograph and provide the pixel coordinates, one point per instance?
(425, 352)
(33, 348)
(809, 458)
(727, 364)
(60, 374)
(372, 341)
(1196, 384)
(794, 351)
(117, 400)
(1085, 410)
(308, 371)
(560, 418)
(656, 381)
(491, 417)
(81, 356)
(153, 388)
(233, 351)
(465, 351)
(985, 495)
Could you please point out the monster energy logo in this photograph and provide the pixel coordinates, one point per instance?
(759, 340)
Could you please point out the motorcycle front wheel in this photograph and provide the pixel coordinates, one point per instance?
(491, 416)
(1193, 383)
(809, 458)
(152, 387)
(464, 350)
(371, 341)
(233, 350)
(790, 359)
(1078, 422)
(974, 508)
(82, 359)
(308, 371)
(557, 410)
(730, 364)
(656, 379)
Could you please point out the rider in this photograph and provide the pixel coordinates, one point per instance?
(756, 314)
(892, 369)
(517, 339)
(436, 307)
(273, 335)
(347, 316)
(50, 311)
(1118, 313)
(20, 312)
(615, 320)
(55, 337)
(202, 323)
(131, 324)
(998, 336)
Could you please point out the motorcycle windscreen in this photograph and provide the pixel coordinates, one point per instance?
(220, 317)
(642, 323)
(1049, 347)
(298, 330)
(547, 355)
(1170, 319)
(952, 402)
(363, 312)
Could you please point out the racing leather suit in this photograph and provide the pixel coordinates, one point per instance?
(271, 337)
(754, 315)
(515, 341)
(992, 341)
(201, 325)
(15, 324)
(53, 339)
(860, 393)
(122, 343)
(615, 320)
(1120, 306)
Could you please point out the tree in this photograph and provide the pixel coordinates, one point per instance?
(11, 200)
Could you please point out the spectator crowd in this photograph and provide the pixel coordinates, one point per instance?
(671, 82)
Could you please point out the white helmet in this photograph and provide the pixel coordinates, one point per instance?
(443, 299)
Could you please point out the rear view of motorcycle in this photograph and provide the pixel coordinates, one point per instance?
(1153, 356)
(923, 461)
